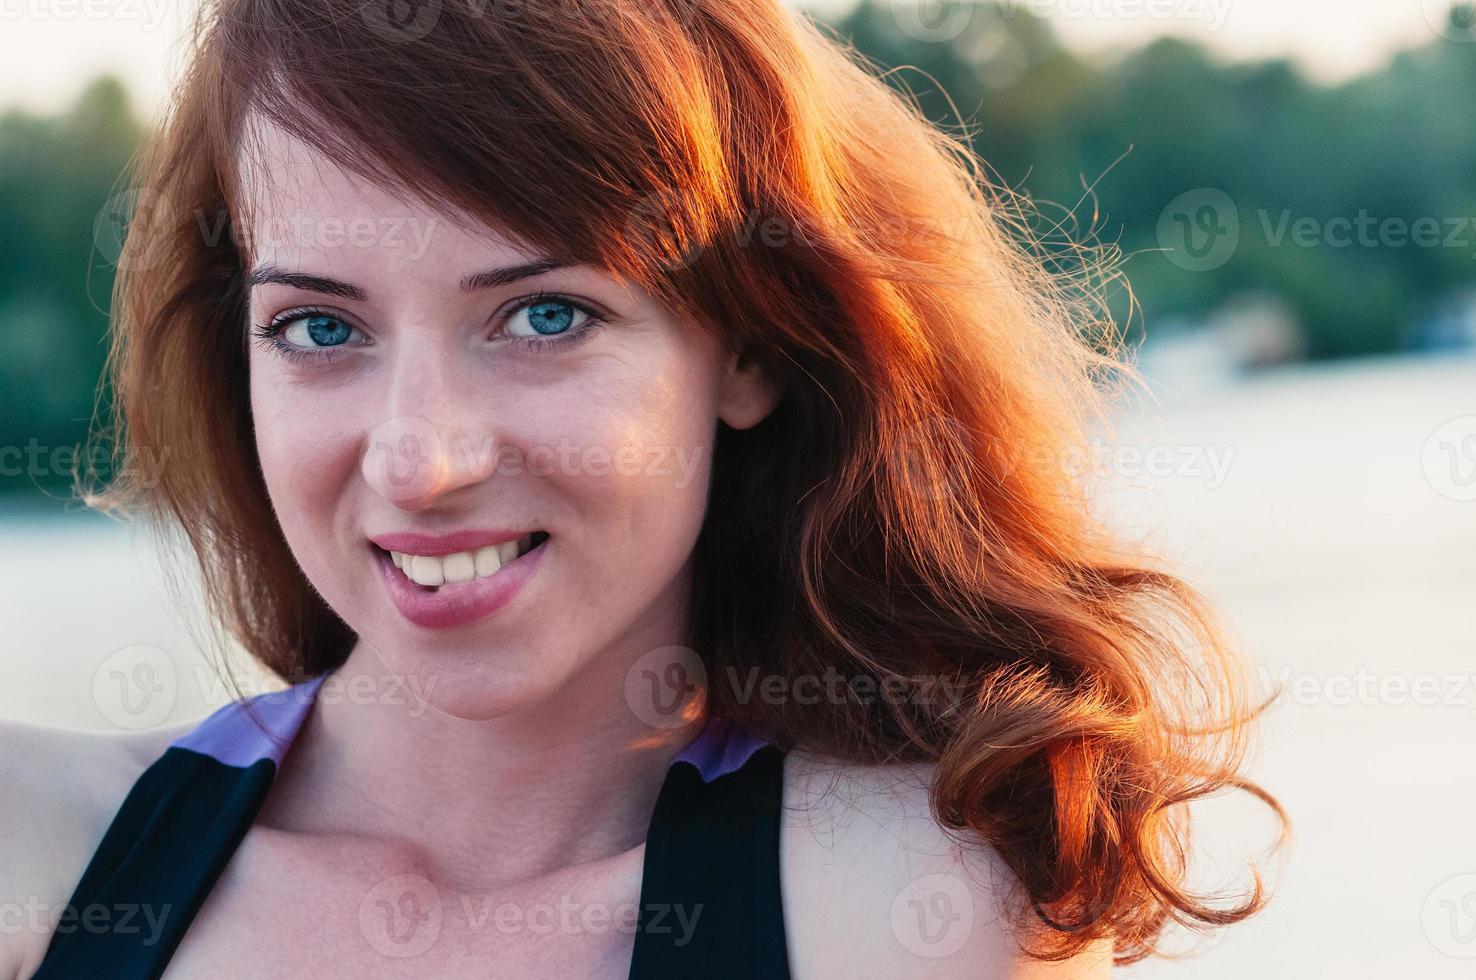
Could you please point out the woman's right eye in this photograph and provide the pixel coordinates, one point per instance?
(305, 334)
(318, 330)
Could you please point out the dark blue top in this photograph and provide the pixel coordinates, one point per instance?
(712, 844)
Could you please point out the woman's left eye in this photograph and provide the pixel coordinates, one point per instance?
(539, 319)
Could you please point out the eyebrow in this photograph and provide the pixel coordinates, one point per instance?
(492, 278)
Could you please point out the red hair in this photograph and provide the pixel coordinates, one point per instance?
(910, 512)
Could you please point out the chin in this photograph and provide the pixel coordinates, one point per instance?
(477, 683)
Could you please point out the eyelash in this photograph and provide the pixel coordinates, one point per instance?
(269, 333)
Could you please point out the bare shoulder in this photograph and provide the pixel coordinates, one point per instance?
(873, 886)
(61, 788)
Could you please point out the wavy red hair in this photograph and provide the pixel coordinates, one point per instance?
(912, 510)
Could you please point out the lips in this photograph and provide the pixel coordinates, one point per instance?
(445, 544)
(453, 604)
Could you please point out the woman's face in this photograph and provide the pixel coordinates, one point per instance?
(415, 398)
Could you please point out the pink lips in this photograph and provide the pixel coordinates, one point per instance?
(446, 544)
(455, 605)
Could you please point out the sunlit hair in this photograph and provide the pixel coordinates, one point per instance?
(915, 507)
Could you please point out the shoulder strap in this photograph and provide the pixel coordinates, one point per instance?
(710, 896)
(710, 893)
(166, 846)
(171, 838)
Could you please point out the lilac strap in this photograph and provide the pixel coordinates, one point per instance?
(254, 728)
(720, 748)
(263, 727)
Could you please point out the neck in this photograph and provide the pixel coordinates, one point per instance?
(567, 781)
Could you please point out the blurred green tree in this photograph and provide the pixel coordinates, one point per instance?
(56, 177)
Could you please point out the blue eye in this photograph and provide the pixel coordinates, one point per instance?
(306, 334)
(317, 330)
(547, 318)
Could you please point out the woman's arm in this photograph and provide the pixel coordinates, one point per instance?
(59, 790)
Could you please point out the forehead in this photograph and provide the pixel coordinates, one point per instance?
(300, 209)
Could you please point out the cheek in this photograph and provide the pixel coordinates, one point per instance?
(635, 445)
(307, 449)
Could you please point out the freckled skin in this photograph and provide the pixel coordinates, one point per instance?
(613, 583)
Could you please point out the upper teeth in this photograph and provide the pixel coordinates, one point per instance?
(463, 566)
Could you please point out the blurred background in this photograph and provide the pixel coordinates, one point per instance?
(1293, 189)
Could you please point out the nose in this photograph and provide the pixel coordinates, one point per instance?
(432, 435)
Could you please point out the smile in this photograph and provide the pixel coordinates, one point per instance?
(453, 589)
(433, 571)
